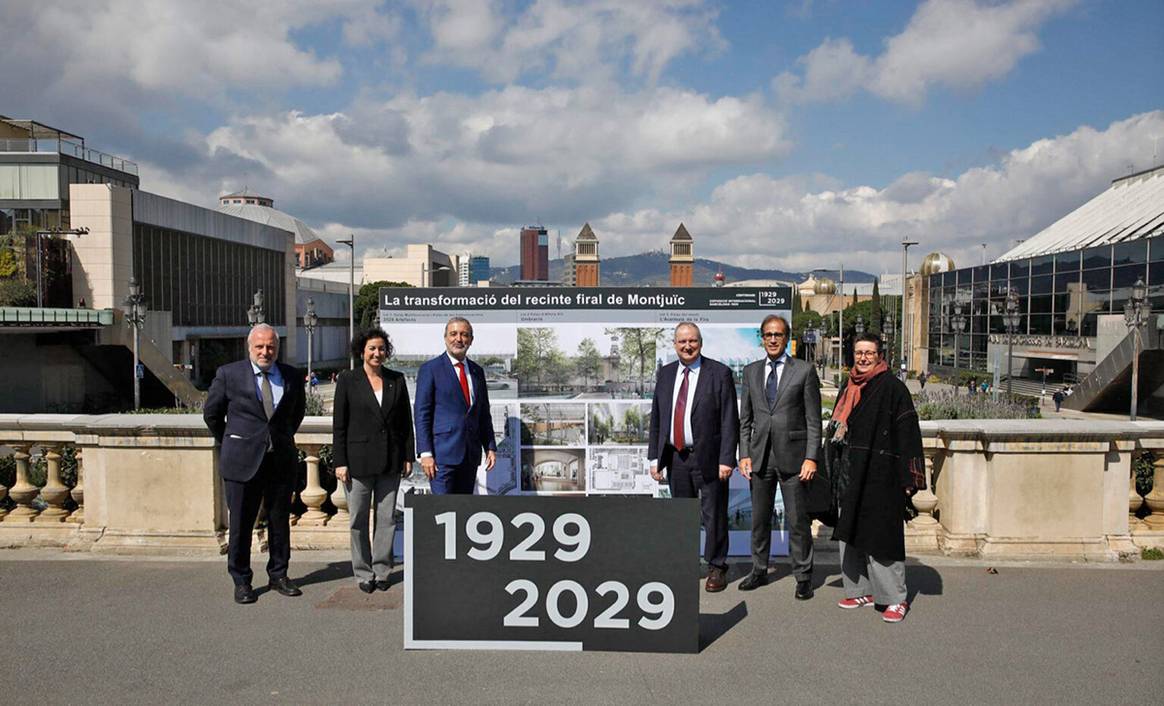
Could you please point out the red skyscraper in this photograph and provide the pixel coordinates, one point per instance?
(535, 253)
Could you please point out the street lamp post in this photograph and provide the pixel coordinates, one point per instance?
(1012, 323)
(310, 321)
(256, 314)
(957, 326)
(48, 233)
(1044, 371)
(904, 293)
(135, 315)
(351, 243)
(1136, 313)
(859, 325)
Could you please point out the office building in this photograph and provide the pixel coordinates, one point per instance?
(535, 254)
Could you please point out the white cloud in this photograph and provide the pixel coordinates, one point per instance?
(505, 157)
(959, 44)
(584, 42)
(801, 223)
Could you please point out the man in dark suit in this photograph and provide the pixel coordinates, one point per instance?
(779, 444)
(253, 409)
(694, 427)
(453, 425)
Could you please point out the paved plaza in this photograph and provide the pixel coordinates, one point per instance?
(79, 629)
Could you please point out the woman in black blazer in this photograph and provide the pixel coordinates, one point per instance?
(372, 445)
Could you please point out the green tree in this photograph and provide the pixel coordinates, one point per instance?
(367, 304)
(639, 346)
(535, 347)
(589, 361)
(875, 324)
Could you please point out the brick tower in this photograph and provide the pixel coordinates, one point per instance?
(586, 258)
(682, 258)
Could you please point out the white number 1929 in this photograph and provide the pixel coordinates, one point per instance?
(486, 532)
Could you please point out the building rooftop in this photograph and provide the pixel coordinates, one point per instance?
(1130, 209)
(17, 135)
(268, 215)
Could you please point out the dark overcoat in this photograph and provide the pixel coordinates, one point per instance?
(371, 437)
(884, 460)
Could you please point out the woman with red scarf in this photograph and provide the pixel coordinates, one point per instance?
(874, 452)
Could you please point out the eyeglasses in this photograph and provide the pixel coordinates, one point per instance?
(866, 354)
(774, 334)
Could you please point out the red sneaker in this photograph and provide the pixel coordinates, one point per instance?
(850, 603)
(895, 613)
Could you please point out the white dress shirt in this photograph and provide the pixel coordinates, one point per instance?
(468, 376)
(692, 382)
(780, 362)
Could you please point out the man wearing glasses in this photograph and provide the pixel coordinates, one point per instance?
(779, 445)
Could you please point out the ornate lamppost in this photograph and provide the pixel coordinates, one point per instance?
(957, 326)
(859, 325)
(1011, 319)
(310, 321)
(1136, 311)
(135, 316)
(255, 313)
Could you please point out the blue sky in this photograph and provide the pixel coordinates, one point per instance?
(792, 134)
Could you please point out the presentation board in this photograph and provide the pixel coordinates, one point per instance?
(551, 573)
(570, 375)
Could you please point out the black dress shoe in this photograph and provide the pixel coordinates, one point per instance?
(243, 593)
(284, 586)
(367, 586)
(382, 584)
(754, 580)
(803, 590)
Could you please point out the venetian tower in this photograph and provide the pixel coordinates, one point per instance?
(682, 258)
(586, 258)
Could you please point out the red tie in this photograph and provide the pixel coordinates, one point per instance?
(464, 383)
(681, 411)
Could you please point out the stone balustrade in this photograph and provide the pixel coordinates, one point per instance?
(997, 488)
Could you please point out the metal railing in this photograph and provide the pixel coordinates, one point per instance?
(71, 149)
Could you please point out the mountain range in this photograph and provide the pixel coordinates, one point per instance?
(654, 269)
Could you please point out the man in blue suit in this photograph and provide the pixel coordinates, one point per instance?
(453, 425)
(253, 409)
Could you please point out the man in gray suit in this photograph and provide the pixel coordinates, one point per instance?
(779, 443)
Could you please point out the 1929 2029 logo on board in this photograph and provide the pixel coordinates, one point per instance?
(551, 573)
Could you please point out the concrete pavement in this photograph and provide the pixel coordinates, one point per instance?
(82, 630)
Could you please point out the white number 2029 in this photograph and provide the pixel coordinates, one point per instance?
(657, 614)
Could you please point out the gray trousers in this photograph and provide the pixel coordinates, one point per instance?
(864, 575)
(796, 519)
(372, 559)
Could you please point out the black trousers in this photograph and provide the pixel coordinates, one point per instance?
(687, 482)
(764, 484)
(271, 487)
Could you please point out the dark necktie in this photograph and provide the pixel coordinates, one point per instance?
(464, 384)
(681, 411)
(770, 387)
(268, 395)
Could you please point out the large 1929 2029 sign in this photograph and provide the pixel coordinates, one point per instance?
(551, 573)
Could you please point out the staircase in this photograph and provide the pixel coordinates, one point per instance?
(1108, 387)
(157, 363)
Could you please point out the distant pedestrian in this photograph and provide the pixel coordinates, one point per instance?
(1058, 397)
(971, 386)
(985, 387)
(921, 379)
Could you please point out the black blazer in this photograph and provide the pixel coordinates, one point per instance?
(371, 438)
(715, 419)
(234, 413)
